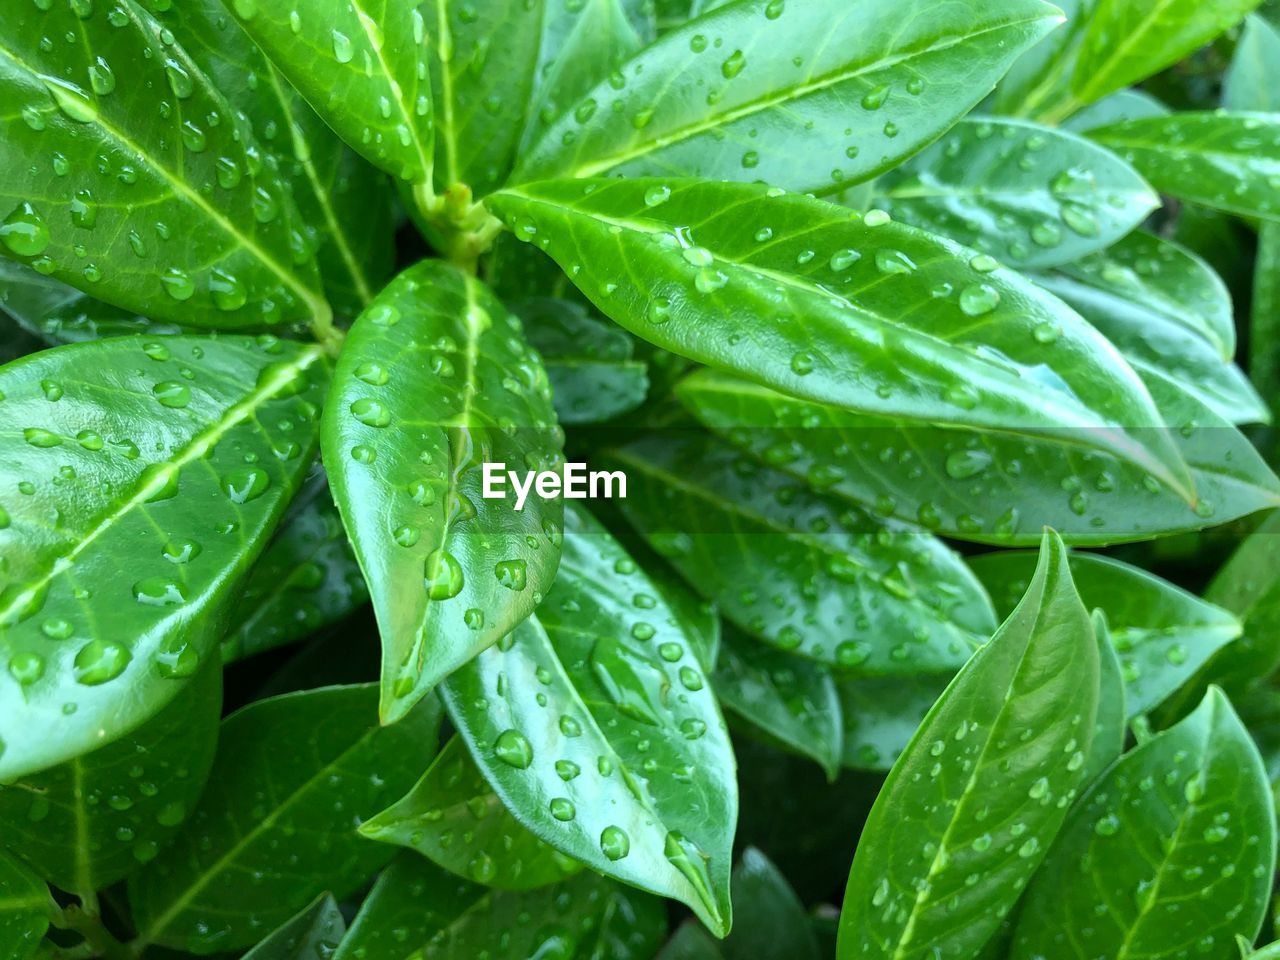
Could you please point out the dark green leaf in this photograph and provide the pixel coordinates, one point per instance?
(691, 942)
(453, 818)
(1162, 633)
(1227, 161)
(990, 486)
(312, 935)
(293, 779)
(600, 733)
(89, 822)
(983, 786)
(167, 212)
(888, 77)
(800, 571)
(435, 379)
(790, 699)
(1113, 712)
(771, 920)
(1264, 318)
(681, 262)
(1030, 195)
(307, 578)
(24, 910)
(363, 67)
(881, 714)
(589, 361)
(1252, 82)
(167, 463)
(1170, 854)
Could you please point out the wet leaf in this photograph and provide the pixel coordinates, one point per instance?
(168, 463)
(881, 714)
(312, 935)
(293, 778)
(434, 380)
(983, 786)
(1113, 712)
(1252, 82)
(24, 910)
(1170, 854)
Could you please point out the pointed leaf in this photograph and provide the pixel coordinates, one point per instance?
(25, 903)
(882, 714)
(800, 571)
(772, 923)
(888, 78)
(1170, 854)
(1226, 161)
(1264, 316)
(983, 786)
(454, 819)
(293, 779)
(1038, 85)
(312, 935)
(1029, 195)
(1113, 712)
(171, 212)
(168, 464)
(1128, 104)
(58, 314)
(434, 379)
(1252, 82)
(627, 767)
(981, 347)
(89, 822)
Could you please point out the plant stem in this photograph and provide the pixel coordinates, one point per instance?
(323, 329)
(461, 228)
(98, 940)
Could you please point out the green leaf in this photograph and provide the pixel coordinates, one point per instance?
(1264, 316)
(169, 213)
(1130, 40)
(1038, 85)
(312, 934)
(790, 699)
(691, 942)
(988, 486)
(887, 78)
(882, 714)
(168, 463)
(798, 570)
(1252, 82)
(1162, 633)
(983, 347)
(435, 379)
(293, 778)
(1170, 854)
(1129, 104)
(362, 68)
(589, 361)
(307, 578)
(1112, 718)
(1027, 194)
(417, 911)
(24, 910)
(89, 822)
(983, 786)
(453, 818)
(1226, 161)
(627, 767)
(771, 921)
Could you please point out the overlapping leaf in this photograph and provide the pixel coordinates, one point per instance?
(881, 714)
(312, 935)
(1252, 82)
(24, 910)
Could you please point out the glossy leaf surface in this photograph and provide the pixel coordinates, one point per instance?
(1169, 855)
(599, 731)
(170, 213)
(982, 347)
(984, 784)
(453, 818)
(772, 923)
(435, 379)
(312, 935)
(168, 462)
(1252, 82)
(1226, 161)
(888, 79)
(1264, 319)
(1029, 195)
(881, 714)
(1162, 633)
(1112, 718)
(24, 910)
(797, 570)
(293, 779)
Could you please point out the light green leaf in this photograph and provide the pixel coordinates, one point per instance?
(1130, 40)
(887, 78)
(1027, 194)
(1226, 161)
(982, 346)
(171, 213)
(293, 778)
(312, 935)
(1038, 85)
(983, 786)
(1112, 718)
(89, 822)
(882, 714)
(1129, 104)
(1169, 855)
(307, 578)
(997, 488)
(435, 379)
(1252, 82)
(1162, 633)
(25, 904)
(1264, 316)
(167, 462)
(791, 700)
(627, 767)
(362, 66)
(798, 570)
(453, 818)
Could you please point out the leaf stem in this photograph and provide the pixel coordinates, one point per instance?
(98, 940)
(461, 228)
(322, 328)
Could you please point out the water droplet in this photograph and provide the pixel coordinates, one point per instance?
(39, 437)
(24, 232)
(512, 574)
(71, 100)
(343, 50)
(442, 575)
(101, 78)
(159, 592)
(228, 291)
(733, 64)
(513, 749)
(179, 79)
(562, 809)
(370, 412)
(99, 661)
(656, 196)
(177, 284)
(614, 843)
(245, 484)
(26, 667)
(978, 299)
(964, 464)
(172, 393)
